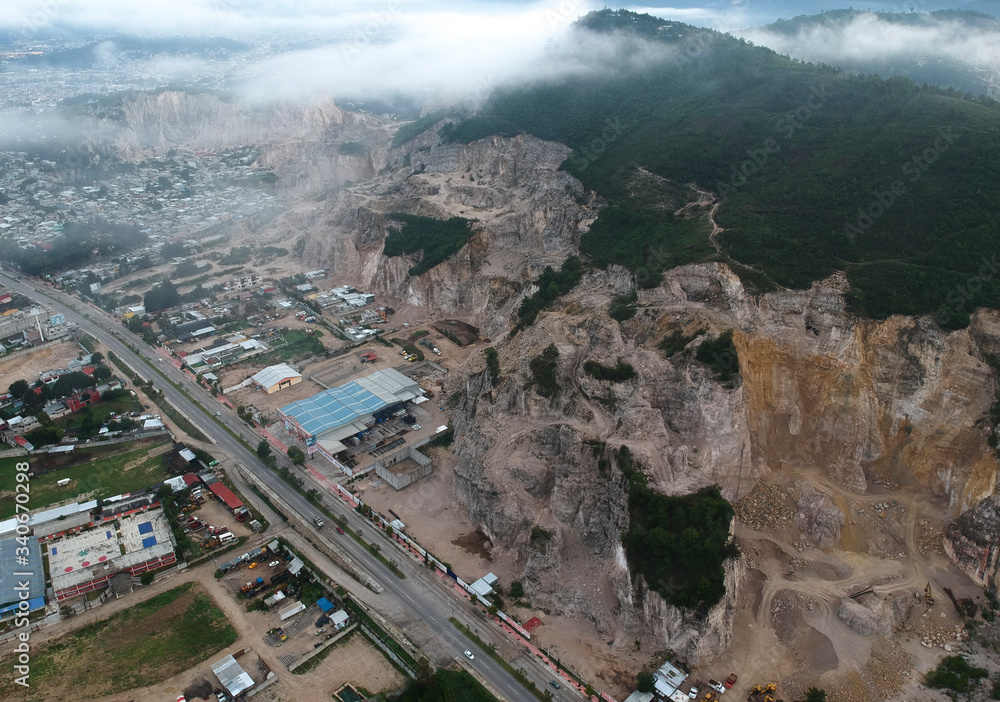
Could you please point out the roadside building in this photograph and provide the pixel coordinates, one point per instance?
(16, 570)
(326, 418)
(275, 378)
(228, 498)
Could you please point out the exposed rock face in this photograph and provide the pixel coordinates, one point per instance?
(862, 619)
(973, 542)
(854, 401)
(299, 141)
(819, 519)
(527, 215)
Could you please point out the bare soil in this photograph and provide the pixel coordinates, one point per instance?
(28, 367)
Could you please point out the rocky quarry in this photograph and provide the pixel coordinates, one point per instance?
(826, 404)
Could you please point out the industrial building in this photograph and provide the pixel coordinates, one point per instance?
(232, 677)
(15, 571)
(333, 415)
(86, 561)
(402, 467)
(192, 331)
(275, 378)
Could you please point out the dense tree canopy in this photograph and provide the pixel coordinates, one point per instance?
(816, 170)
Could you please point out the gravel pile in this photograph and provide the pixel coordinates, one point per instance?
(764, 508)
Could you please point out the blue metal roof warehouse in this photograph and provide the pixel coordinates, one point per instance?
(12, 569)
(339, 412)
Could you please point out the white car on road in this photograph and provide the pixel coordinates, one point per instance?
(468, 654)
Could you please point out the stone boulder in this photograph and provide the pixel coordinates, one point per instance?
(862, 619)
(818, 517)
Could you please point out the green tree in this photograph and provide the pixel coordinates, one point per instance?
(263, 449)
(644, 681)
(815, 695)
(297, 455)
(161, 297)
(516, 589)
(147, 577)
(19, 389)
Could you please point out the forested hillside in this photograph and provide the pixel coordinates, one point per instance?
(816, 170)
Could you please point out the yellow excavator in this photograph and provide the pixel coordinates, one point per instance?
(928, 597)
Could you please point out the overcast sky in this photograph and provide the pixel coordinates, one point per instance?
(446, 51)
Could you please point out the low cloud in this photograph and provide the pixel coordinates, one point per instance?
(868, 37)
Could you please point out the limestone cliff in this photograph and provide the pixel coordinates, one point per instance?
(302, 142)
(821, 394)
(973, 542)
(527, 214)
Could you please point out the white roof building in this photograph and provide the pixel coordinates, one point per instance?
(274, 378)
(232, 676)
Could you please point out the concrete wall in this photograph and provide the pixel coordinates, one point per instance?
(401, 480)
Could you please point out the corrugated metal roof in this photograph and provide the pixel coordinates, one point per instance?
(226, 495)
(272, 375)
(12, 569)
(356, 400)
(232, 676)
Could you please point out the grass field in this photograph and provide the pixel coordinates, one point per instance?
(447, 686)
(100, 412)
(298, 345)
(139, 646)
(101, 471)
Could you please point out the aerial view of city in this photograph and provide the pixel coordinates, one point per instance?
(499, 352)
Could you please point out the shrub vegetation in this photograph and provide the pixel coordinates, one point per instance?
(437, 238)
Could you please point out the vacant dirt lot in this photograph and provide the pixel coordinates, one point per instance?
(28, 367)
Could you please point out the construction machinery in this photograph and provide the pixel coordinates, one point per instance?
(928, 596)
(762, 693)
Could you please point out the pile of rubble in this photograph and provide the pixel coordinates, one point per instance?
(947, 638)
(887, 670)
(764, 508)
(929, 538)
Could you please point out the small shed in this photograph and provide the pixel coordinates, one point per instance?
(291, 611)
(339, 619)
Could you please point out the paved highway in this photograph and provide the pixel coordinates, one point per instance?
(425, 600)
